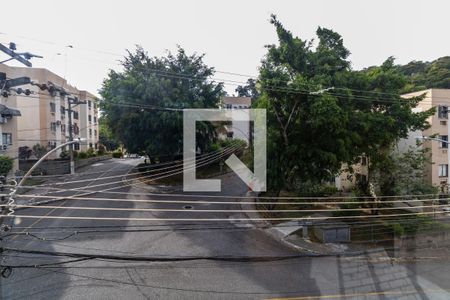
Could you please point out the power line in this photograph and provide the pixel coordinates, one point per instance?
(94, 199)
(147, 178)
(307, 218)
(341, 210)
(199, 158)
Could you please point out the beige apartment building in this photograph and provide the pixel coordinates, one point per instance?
(437, 171)
(44, 113)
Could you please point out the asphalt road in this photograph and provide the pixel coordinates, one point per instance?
(370, 276)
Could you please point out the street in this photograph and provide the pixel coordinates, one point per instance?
(370, 276)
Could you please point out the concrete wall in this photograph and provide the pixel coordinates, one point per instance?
(59, 166)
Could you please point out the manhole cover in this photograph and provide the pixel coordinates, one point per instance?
(188, 207)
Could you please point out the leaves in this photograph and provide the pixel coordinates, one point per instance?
(155, 88)
(322, 114)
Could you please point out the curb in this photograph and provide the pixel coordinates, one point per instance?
(267, 228)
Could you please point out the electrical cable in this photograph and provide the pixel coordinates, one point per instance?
(307, 218)
(199, 158)
(341, 210)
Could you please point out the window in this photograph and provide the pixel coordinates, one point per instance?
(95, 119)
(90, 145)
(63, 128)
(90, 118)
(95, 146)
(6, 138)
(95, 133)
(89, 104)
(90, 132)
(52, 107)
(228, 106)
(443, 122)
(63, 111)
(442, 112)
(76, 129)
(53, 126)
(444, 138)
(76, 146)
(75, 115)
(443, 170)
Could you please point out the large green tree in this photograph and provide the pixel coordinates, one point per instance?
(105, 137)
(322, 114)
(143, 104)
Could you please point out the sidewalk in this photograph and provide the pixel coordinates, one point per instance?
(285, 233)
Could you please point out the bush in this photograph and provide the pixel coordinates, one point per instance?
(101, 150)
(64, 154)
(117, 154)
(91, 152)
(398, 229)
(310, 189)
(82, 155)
(75, 154)
(213, 147)
(6, 165)
(39, 150)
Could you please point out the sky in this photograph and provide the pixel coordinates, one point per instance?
(232, 34)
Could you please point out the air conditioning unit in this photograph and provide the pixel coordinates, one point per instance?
(58, 122)
(4, 147)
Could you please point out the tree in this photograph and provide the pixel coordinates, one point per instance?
(142, 104)
(248, 90)
(25, 152)
(322, 114)
(39, 150)
(6, 165)
(105, 137)
(403, 173)
(424, 75)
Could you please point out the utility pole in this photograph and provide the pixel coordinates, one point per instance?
(72, 162)
(22, 57)
(75, 102)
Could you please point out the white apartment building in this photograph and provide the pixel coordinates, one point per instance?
(239, 129)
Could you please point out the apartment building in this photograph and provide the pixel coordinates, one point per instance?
(8, 129)
(44, 116)
(89, 120)
(437, 171)
(346, 181)
(239, 129)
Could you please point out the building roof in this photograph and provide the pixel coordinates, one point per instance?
(237, 100)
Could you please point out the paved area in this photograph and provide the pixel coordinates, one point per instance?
(369, 276)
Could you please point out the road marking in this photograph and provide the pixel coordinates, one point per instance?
(47, 214)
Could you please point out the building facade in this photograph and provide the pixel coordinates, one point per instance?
(239, 129)
(436, 171)
(45, 112)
